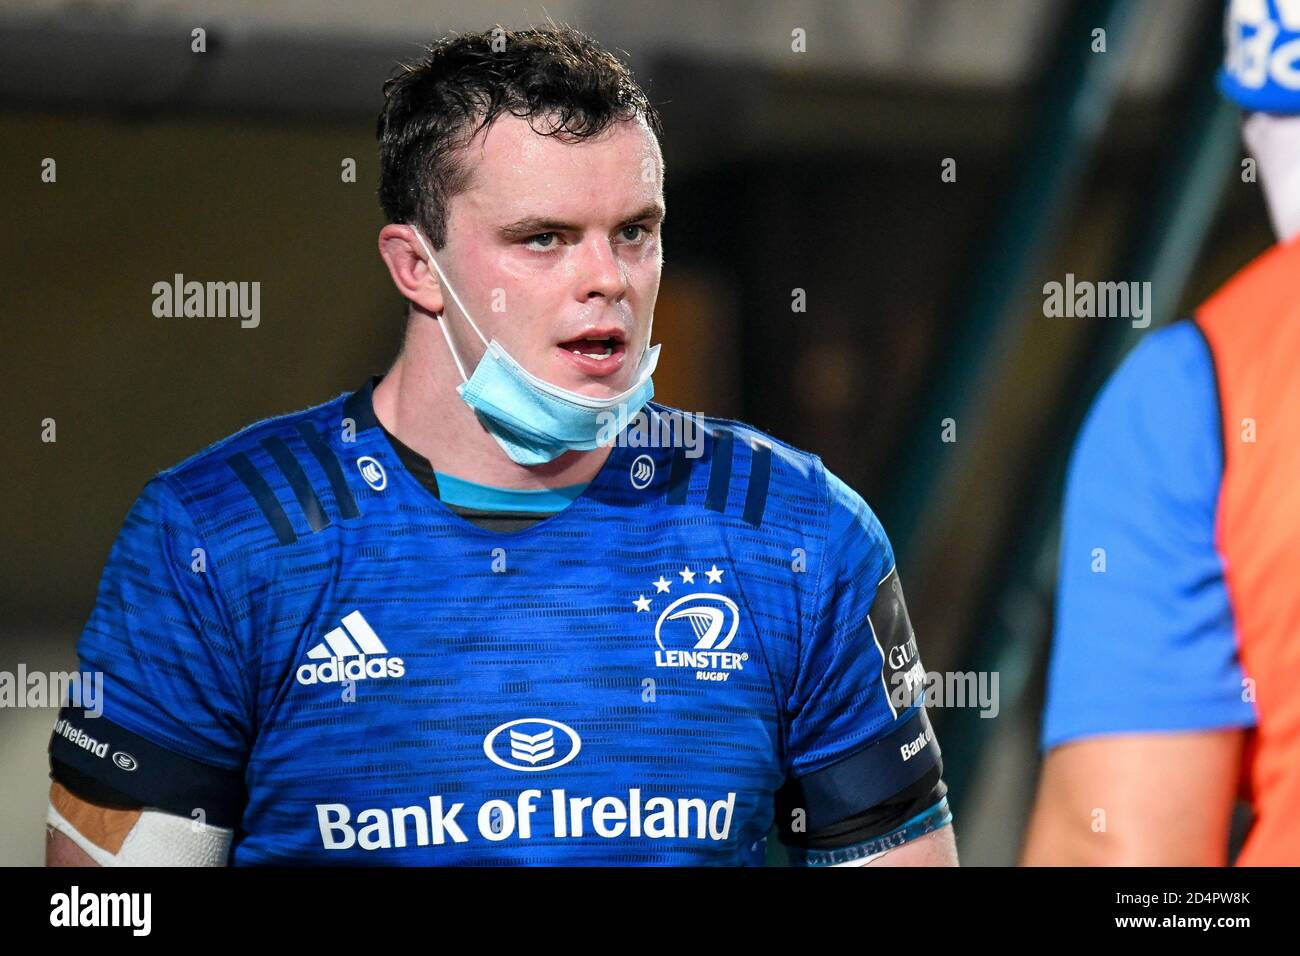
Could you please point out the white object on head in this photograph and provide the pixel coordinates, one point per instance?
(157, 839)
(1274, 142)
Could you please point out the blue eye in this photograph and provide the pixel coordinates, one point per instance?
(541, 235)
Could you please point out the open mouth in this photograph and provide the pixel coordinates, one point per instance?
(596, 343)
(601, 348)
(600, 352)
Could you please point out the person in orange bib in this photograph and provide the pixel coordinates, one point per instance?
(1171, 690)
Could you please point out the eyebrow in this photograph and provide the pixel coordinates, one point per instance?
(534, 225)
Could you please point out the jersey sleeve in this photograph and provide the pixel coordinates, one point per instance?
(1144, 637)
(169, 726)
(858, 736)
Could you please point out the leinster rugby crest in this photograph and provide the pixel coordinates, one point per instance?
(694, 625)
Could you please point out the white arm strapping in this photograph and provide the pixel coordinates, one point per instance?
(157, 839)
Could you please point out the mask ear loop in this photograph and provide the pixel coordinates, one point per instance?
(455, 298)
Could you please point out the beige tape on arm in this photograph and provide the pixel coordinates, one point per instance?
(141, 837)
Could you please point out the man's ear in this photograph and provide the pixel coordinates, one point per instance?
(411, 274)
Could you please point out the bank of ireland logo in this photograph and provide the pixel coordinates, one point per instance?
(532, 744)
(696, 630)
(642, 471)
(124, 760)
(373, 472)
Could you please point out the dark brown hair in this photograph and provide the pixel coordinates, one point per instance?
(463, 83)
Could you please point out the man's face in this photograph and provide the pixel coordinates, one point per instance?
(555, 242)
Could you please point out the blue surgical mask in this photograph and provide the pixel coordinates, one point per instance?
(531, 419)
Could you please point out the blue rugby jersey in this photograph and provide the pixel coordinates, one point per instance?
(300, 641)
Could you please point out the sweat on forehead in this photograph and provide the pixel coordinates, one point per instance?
(515, 146)
(516, 172)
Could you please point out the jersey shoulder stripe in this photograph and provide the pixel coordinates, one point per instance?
(272, 482)
(730, 469)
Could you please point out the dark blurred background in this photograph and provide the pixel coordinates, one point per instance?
(817, 170)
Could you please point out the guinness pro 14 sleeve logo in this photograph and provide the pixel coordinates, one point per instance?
(903, 675)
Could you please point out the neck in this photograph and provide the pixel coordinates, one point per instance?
(417, 401)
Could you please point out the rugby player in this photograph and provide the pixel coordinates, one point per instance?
(1171, 687)
(471, 613)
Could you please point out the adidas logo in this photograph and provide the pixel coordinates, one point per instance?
(351, 652)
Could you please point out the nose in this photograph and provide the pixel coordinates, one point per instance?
(600, 271)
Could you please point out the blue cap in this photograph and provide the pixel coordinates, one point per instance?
(1261, 67)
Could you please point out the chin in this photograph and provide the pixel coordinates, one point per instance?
(604, 388)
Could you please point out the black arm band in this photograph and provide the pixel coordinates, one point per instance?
(878, 820)
(89, 789)
(94, 757)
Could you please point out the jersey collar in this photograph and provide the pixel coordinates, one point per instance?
(614, 484)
